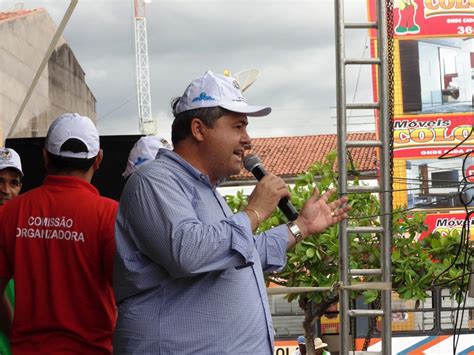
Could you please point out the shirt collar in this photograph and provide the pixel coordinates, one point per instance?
(191, 170)
(70, 181)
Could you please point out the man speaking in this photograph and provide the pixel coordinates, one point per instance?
(188, 271)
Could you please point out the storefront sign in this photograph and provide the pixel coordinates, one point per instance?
(430, 18)
(470, 173)
(445, 223)
(432, 136)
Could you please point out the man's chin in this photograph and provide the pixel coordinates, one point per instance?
(236, 170)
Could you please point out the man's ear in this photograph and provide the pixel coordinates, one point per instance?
(98, 160)
(45, 159)
(197, 129)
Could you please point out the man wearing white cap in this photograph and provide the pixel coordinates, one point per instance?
(319, 347)
(58, 242)
(144, 151)
(189, 271)
(11, 174)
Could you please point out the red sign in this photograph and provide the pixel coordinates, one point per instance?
(444, 223)
(430, 18)
(432, 136)
(470, 173)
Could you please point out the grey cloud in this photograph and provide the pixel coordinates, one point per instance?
(290, 42)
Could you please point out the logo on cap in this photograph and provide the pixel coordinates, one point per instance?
(203, 97)
(140, 160)
(225, 92)
(10, 159)
(165, 143)
(5, 154)
(236, 84)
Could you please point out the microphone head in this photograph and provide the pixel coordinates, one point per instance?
(251, 161)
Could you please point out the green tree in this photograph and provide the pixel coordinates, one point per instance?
(314, 262)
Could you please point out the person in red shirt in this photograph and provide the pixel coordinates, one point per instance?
(57, 242)
(11, 176)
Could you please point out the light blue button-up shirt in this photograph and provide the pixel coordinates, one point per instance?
(188, 273)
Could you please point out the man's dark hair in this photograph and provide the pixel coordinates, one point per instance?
(181, 127)
(59, 163)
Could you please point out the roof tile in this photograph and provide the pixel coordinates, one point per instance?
(290, 156)
(7, 15)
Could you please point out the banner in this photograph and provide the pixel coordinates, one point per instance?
(444, 223)
(430, 18)
(433, 136)
(433, 100)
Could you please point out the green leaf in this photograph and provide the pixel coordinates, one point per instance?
(310, 253)
(370, 296)
(314, 262)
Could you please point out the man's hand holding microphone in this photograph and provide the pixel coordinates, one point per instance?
(271, 191)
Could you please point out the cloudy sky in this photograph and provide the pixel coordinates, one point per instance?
(291, 42)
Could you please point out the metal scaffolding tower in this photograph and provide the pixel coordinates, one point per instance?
(383, 232)
(146, 122)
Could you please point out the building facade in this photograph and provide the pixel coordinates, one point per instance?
(26, 35)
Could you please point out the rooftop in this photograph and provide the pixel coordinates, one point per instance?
(290, 156)
(7, 15)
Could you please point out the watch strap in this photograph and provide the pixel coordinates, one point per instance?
(295, 230)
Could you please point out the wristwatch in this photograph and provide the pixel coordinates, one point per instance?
(295, 230)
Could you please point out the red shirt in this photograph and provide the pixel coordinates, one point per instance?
(57, 242)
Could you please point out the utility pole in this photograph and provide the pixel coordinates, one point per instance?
(146, 123)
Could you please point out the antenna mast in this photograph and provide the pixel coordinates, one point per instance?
(145, 120)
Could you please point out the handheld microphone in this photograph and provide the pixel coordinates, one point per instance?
(253, 164)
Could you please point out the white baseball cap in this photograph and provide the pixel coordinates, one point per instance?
(212, 90)
(144, 151)
(10, 159)
(73, 125)
(318, 343)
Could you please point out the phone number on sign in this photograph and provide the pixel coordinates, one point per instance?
(465, 30)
